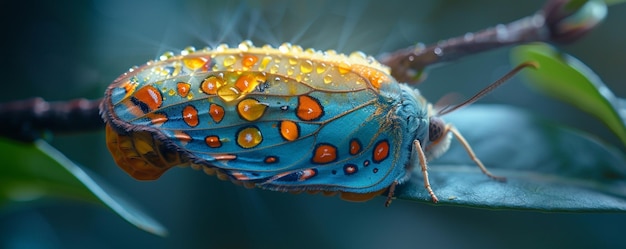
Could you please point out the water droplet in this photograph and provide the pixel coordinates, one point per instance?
(166, 55)
(328, 78)
(306, 66)
(358, 55)
(330, 52)
(274, 69)
(229, 60)
(290, 71)
(228, 93)
(264, 62)
(249, 60)
(285, 47)
(438, 51)
(296, 49)
(171, 92)
(195, 63)
(309, 51)
(344, 67)
(245, 45)
(221, 48)
(293, 61)
(321, 67)
(188, 50)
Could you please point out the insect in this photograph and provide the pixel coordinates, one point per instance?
(284, 119)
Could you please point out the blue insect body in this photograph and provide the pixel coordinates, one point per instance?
(283, 119)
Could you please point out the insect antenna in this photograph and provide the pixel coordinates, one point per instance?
(489, 88)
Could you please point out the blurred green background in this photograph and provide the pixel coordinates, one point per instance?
(68, 49)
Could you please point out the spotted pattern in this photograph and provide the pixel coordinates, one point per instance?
(280, 118)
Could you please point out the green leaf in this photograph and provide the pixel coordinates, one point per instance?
(548, 168)
(567, 79)
(30, 171)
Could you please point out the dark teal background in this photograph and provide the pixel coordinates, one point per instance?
(69, 49)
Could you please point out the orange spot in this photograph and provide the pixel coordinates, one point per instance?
(190, 116)
(211, 84)
(355, 147)
(324, 153)
(216, 112)
(251, 109)
(183, 88)
(196, 63)
(157, 118)
(249, 137)
(271, 159)
(150, 97)
(289, 130)
(309, 109)
(182, 137)
(249, 60)
(213, 141)
(381, 151)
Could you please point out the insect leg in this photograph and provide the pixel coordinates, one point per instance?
(392, 188)
(422, 158)
(470, 152)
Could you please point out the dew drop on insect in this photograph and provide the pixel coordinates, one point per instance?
(306, 66)
(264, 62)
(221, 48)
(195, 63)
(343, 67)
(249, 60)
(188, 50)
(358, 55)
(245, 45)
(228, 93)
(166, 55)
(284, 48)
(293, 61)
(290, 71)
(328, 78)
(274, 68)
(229, 60)
(321, 67)
(296, 49)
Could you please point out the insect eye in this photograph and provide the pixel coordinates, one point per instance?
(435, 128)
